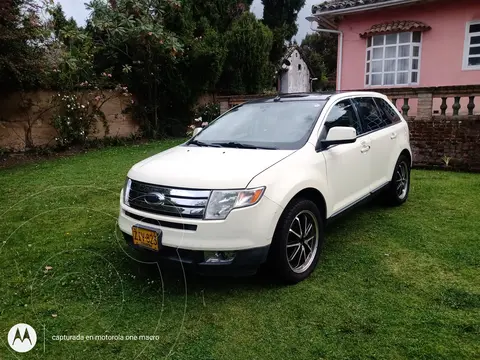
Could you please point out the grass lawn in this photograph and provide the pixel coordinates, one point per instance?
(391, 283)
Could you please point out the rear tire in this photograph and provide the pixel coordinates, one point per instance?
(397, 191)
(297, 241)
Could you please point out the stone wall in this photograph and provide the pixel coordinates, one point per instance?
(16, 119)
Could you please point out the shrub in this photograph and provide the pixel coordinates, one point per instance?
(208, 112)
(204, 115)
(76, 119)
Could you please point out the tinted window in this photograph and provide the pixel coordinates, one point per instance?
(389, 115)
(343, 114)
(370, 115)
(285, 124)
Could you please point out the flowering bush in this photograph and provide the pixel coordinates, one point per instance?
(197, 122)
(77, 115)
(208, 112)
(204, 115)
(73, 122)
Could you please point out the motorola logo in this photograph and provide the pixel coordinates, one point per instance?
(22, 338)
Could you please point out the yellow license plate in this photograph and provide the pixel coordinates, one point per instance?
(146, 238)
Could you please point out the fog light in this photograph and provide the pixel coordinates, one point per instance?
(219, 256)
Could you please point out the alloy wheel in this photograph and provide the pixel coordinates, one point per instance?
(401, 180)
(302, 241)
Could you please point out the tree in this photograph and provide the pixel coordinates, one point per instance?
(320, 51)
(166, 53)
(281, 16)
(247, 67)
(21, 57)
(70, 53)
(160, 52)
(60, 25)
(217, 14)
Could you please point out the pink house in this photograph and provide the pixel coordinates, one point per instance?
(404, 43)
(424, 55)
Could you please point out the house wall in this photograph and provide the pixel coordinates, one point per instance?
(284, 82)
(298, 80)
(442, 48)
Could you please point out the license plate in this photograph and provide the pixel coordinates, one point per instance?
(146, 238)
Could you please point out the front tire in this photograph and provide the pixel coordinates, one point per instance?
(397, 192)
(297, 241)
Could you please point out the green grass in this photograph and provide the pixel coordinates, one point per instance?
(397, 283)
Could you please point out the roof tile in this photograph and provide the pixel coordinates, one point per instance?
(343, 4)
(394, 27)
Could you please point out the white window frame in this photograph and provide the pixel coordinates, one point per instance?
(467, 46)
(410, 59)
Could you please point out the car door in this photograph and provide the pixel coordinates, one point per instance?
(348, 165)
(383, 124)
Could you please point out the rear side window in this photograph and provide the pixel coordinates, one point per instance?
(370, 115)
(388, 114)
(343, 114)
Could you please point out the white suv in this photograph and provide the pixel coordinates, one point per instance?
(260, 182)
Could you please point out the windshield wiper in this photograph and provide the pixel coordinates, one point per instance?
(201, 143)
(234, 144)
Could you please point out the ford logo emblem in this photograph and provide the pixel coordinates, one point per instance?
(155, 198)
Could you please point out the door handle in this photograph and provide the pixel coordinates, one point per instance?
(393, 136)
(365, 148)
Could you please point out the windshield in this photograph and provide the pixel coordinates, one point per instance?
(272, 125)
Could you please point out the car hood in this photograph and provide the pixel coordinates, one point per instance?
(205, 167)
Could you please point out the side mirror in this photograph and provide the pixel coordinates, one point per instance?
(196, 131)
(339, 135)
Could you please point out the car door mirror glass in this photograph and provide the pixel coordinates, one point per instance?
(341, 133)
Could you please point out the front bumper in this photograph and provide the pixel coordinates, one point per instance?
(245, 228)
(247, 231)
(245, 262)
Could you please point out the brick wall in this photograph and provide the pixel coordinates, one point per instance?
(457, 138)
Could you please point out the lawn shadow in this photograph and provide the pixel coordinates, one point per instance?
(174, 277)
(177, 278)
(346, 219)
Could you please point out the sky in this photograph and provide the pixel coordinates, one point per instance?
(77, 10)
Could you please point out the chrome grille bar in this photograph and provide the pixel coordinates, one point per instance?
(175, 202)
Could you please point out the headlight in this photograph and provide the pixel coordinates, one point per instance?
(223, 201)
(126, 191)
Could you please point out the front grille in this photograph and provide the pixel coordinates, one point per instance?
(184, 203)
